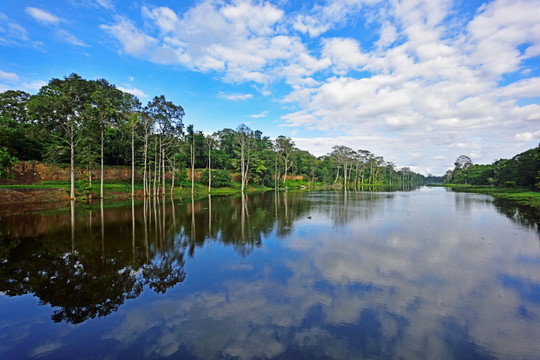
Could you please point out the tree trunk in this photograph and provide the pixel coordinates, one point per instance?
(242, 165)
(356, 178)
(337, 175)
(173, 171)
(345, 176)
(133, 160)
(164, 170)
(155, 167)
(90, 182)
(101, 180)
(285, 160)
(276, 176)
(192, 168)
(72, 164)
(246, 170)
(144, 163)
(209, 168)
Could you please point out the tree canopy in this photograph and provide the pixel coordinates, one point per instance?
(90, 124)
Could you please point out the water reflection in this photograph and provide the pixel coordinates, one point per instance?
(93, 278)
(428, 274)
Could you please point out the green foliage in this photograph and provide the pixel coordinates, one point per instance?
(70, 117)
(522, 170)
(220, 178)
(6, 161)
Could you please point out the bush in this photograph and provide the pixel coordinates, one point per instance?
(6, 161)
(220, 178)
(509, 184)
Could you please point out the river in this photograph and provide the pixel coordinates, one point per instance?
(423, 274)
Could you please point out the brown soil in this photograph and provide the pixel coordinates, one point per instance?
(18, 201)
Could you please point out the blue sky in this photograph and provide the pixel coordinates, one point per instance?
(418, 82)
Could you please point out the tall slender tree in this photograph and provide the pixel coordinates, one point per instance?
(61, 107)
(244, 139)
(168, 123)
(106, 104)
(285, 147)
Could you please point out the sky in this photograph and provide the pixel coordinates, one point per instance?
(418, 82)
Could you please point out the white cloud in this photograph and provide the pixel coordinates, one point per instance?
(235, 97)
(33, 85)
(42, 16)
(240, 40)
(429, 75)
(134, 41)
(260, 115)
(107, 4)
(345, 54)
(528, 136)
(13, 33)
(6, 76)
(70, 38)
(498, 30)
(133, 91)
(322, 18)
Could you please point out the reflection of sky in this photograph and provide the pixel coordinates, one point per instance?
(411, 275)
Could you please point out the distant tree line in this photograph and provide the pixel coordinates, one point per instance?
(90, 124)
(521, 170)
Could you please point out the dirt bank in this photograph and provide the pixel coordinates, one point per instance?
(18, 201)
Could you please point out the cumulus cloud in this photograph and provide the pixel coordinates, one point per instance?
(345, 263)
(429, 73)
(528, 136)
(134, 41)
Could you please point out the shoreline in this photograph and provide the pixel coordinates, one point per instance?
(521, 196)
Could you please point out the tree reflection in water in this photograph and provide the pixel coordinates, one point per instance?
(86, 263)
(83, 273)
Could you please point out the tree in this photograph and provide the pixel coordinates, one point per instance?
(168, 123)
(18, 133)
(463, 162)
(244, 140)
(284, 148)
(210, 141)
(6, 161)
(60, 107)
(344, 156)
(131, 111)
(105, 106)
(147, 123)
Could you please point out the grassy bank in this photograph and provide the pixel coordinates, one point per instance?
(522, 196)
(121, 190)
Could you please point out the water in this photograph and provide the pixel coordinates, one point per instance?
(407, 275)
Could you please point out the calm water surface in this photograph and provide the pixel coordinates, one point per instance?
(427, 274)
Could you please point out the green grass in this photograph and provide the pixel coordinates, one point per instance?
(519, 195)
(122, 189)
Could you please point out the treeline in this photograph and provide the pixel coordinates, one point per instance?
(521, 170)
(90, 124)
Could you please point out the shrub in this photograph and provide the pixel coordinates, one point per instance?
(509, 184)
(6, 161)
(220, 178)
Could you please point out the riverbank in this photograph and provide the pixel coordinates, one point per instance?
(19, 199)
(522, 196)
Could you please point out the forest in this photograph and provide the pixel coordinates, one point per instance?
(89, 124)
(523, 170)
